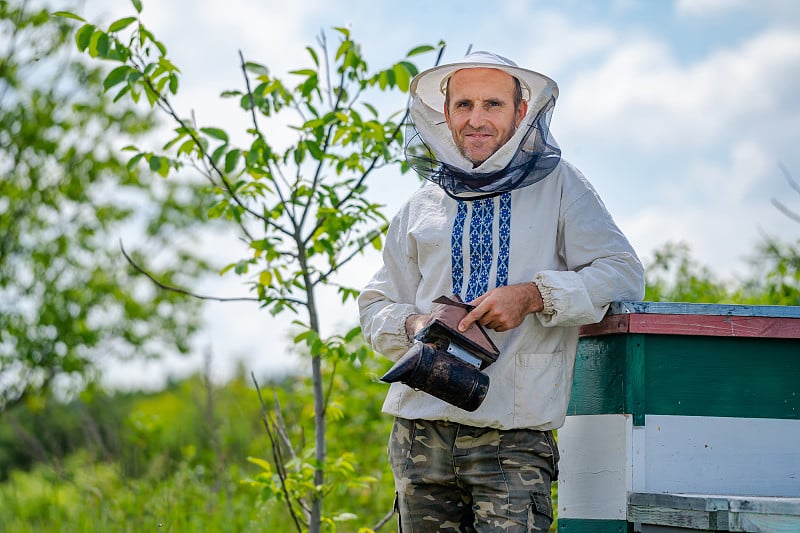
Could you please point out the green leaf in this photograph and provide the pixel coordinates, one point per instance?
(152, 96)
(304, 72)
(84, 36)
(371, 109)
(316, 151)
(299, 153)
(402, 77)
(420, 50)
(383, 79)
(215, 133)
(343, 48)
(343, 31)
(232, 160)
(217, 154)
(313, 54)
(137, 4)
(187, 147)
(133, 161)
(159, 164)
(167, 65)
(352, 334)
(116, 76)
(122, 93)
(410, 67)
(99, 44)
(256, 68)
(264, 465)
(173, 84)
(121, 24)
(68, 15)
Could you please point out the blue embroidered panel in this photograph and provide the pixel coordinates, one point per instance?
(505, 240)
(481, 248)
(457, 252)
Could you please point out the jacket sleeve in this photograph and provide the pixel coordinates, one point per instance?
(389, 297)
(602, 266)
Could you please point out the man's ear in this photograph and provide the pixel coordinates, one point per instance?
(447, 115)
(522, 110)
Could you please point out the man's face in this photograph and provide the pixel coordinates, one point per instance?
(480, 111)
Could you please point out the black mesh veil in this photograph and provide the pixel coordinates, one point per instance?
(535, 158)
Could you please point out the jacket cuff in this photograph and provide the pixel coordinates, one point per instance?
(548, 298)
(391, 339)
(566, 301)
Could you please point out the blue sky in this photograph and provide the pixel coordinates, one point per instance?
(678, 111)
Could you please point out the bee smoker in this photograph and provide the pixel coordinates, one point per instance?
(445, 362)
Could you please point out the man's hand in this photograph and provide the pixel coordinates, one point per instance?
(414, 323)
(504, 308)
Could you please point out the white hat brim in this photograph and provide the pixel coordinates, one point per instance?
(429, 85)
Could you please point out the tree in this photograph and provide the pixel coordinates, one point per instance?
(67, 298)
(673, 275)
(302, 211)
(777, 278)
(774, 278)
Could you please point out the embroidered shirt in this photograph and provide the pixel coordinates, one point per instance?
(556, 233)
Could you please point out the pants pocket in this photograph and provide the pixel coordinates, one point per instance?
(540, 512)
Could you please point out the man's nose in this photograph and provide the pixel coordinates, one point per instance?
(477, 117)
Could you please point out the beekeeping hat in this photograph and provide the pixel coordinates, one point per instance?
(529, 156)
(431, 85)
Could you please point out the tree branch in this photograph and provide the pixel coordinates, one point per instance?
(260, 135)
(383, 521)
(276, 455)
(178, 290)
(794, 185)
(249, 94)
(359, 249)
(785, 210)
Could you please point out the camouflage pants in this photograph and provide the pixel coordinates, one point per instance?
(451, 477)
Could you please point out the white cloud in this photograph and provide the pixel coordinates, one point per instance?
(730, 183)
(720, 207)
(707, 8)
(651, 101)
(557, 42)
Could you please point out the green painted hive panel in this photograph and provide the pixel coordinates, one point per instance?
(687, 375)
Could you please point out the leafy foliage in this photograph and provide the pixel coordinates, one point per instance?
(779, 281)
(673, 275)
(66, 297)
(130, 461)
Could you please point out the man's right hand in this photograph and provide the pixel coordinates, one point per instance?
(504, 308)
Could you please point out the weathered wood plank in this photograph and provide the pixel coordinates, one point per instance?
(697, 325)
(716, 512)
(686, 308)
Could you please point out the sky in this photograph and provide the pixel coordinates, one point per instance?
(679, 112)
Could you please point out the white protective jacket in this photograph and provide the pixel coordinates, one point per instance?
(556, 233)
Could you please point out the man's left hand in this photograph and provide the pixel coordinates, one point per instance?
(504, 308)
